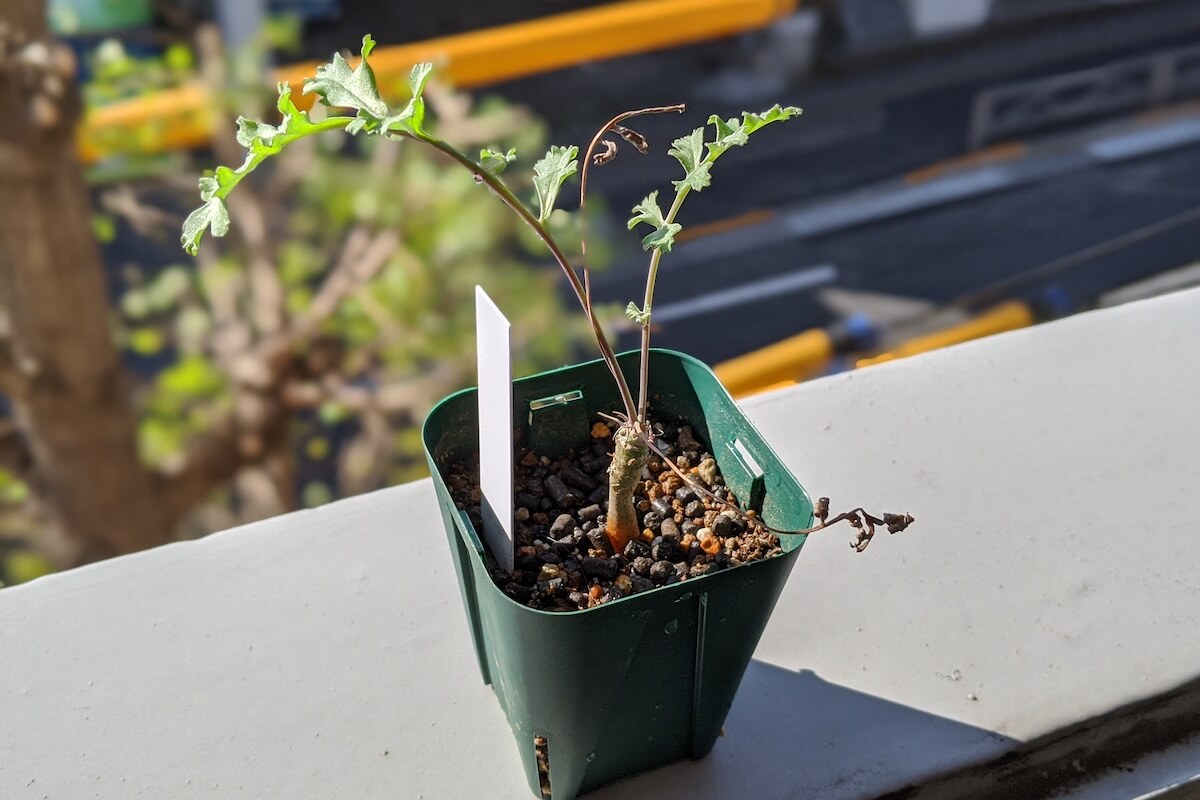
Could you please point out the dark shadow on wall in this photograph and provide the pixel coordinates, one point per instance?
(794, 735)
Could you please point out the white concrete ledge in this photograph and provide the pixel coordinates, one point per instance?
(1050, 581)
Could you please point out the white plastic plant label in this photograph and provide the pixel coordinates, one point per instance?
(494, 353)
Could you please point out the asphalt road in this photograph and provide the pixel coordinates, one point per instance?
(867, 123)
(935, 254)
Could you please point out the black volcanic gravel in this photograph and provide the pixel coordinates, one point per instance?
(563, 559)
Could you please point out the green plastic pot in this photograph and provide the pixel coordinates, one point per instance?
(648, 679)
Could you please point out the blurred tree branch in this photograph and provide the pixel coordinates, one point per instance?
(73, 407)
(15, 457)
(361, 318)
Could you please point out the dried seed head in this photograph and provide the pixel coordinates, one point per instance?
(821, 510)
(608, 154)
(633, 137)
(861, 540)
(897, 522)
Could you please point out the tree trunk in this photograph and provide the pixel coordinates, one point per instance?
(69, 392)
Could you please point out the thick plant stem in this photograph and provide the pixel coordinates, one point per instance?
(629, 459)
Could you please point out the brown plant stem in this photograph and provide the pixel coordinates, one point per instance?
(612, 126)
(509, 199)
(895, 523)
(631, 449)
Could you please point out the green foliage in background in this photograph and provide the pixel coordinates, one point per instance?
(116, 75)
(415, 315)
(397, 339)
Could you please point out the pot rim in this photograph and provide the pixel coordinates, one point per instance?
(465, 529)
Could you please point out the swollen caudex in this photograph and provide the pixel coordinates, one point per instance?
(565, 560)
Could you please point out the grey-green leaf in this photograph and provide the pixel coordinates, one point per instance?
(636, 314)
(339, 85)
(495, 162)
(550, 173)
(689, 151)
(733, 132)
(647, 211)
(776, 113)
(418, 77)
(416, 104)
(248, 130)
(210, 216)
(412, 117)
(663, 236)
(729, 134)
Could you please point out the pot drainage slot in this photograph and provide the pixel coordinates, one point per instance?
(541, 751)
(749, 464)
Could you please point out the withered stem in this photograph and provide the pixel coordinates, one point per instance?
(852, 516)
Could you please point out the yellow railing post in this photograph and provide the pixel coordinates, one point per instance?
(181, 117)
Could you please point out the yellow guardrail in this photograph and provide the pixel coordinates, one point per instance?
(1005, 317)
(802, 356)
(181, 117)
(787, 361)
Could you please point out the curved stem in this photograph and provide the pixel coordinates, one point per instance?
(509, 199)
(647, 307)
(606, 128)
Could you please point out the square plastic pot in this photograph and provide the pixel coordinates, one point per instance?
(648, 679)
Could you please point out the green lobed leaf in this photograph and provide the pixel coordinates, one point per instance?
(735, 133)
(776, 113)
(550, 173)
(411, 118)
(417, 79)
(261, 141)
(689, 151)
(636, 314)
(295, 122)
(649, 212)
(249, 130)
(211, 216)
(496, 162)
(339, 85)
(729, 134)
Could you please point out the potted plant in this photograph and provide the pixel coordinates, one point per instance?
(655, 530)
